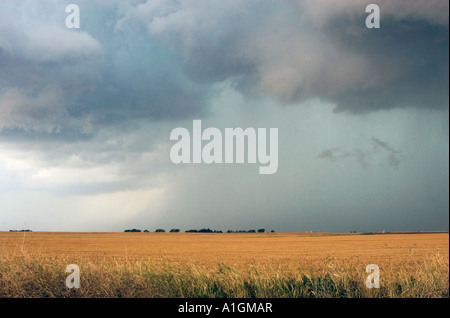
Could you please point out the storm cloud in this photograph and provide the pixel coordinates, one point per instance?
(94, 77)
(86, 114)
(160, 59)
(295, 51)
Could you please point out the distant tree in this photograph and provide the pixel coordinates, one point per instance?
(146, 231)
(272, 231)
(191, 231)
(251, 231)
(174, 230)
(133, 230)
(160, 231)
(261, 230)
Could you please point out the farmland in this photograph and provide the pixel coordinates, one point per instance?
(32, 264)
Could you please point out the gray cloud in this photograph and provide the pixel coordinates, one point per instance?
(320, 12)
(328, 154)
(366, 156)
(381, 144)
(361, 157)
(394, 158)
(71, 83)
(85, 115)
(302, 50)
(161, 59)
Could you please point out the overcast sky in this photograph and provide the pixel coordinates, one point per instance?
(362, 114)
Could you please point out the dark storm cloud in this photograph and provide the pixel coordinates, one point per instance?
(305, 49)
(71, 83)
(159, 60)
(408, 65)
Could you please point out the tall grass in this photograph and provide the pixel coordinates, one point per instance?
(37, 276)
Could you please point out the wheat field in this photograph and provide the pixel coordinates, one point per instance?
(238, 265)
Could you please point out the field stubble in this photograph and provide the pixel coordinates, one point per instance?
(248, 265)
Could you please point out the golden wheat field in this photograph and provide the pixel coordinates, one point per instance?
(32, 264)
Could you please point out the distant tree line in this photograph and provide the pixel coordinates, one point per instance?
(249, 231)
(203, 231)
(208, 230)
(156, 231)
(20, 230)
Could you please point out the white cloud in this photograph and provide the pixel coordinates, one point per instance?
(37, 33)
(58, 45)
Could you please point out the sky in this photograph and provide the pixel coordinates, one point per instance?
(362, 114)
